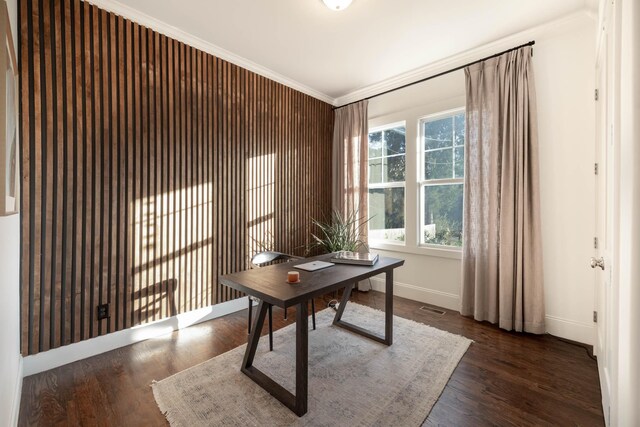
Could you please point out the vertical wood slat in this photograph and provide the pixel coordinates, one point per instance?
(150, 168)
(83, 136)
(57, 146)
(43, 163)
(25, 53)
(93, 145)
(67, 165)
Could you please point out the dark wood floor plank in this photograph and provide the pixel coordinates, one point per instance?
(504, 379)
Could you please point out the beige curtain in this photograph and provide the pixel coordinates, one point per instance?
(502, 252)
(350, 157)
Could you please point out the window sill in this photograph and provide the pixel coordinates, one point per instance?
(420, 250)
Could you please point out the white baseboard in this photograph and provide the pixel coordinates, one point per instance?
(70, 353)
(15, 411)
(571, 329)
(564, 328)
(417, 293)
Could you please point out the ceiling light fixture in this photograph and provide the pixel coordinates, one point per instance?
(337, 4)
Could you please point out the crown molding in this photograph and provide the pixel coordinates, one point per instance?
(152, 23)
(539, 33)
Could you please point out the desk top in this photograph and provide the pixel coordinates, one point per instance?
(270, 283)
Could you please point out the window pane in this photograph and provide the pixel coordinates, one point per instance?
(375, 144)
(375, 171)
(386, 210)
(438, 133)
(394, 168)
(459, 128)
(459, 162)
(394, 141)
(443, 215)
(438, 164)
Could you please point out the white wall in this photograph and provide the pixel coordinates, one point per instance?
(10, 359)
(564, 57)
(565, 81)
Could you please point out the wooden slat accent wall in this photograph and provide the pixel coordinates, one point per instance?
(149, 168)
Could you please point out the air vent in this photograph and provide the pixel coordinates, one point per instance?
(433, 310)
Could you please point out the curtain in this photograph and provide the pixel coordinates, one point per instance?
(502, 254)
(350, 157)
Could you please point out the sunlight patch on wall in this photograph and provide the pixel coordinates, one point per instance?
(260, 203)
(172, 249)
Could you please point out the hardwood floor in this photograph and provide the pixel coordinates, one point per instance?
(503, 379)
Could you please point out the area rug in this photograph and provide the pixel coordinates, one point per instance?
(353, 380)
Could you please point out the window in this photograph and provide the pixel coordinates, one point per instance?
(387, 148)
(442, 177)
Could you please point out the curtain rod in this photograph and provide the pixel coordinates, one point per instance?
(531, 43)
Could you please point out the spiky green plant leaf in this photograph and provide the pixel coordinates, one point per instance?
(339, 233)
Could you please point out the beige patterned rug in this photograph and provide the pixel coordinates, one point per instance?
(353, 380)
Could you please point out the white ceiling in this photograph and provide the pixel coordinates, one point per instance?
(336, 53)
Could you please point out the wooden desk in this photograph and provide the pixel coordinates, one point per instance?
(269, 284)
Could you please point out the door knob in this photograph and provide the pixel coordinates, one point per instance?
(599, 262)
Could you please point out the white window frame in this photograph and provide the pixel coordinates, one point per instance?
(422, 182)
(385, 185)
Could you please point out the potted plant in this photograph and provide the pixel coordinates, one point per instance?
(340, 233)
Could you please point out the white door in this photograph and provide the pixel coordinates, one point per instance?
(601, 288)
(602, 261)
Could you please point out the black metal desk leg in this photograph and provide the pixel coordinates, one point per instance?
(388, 317)
(388, 309)
(254, 337)
(343, 302)
(298, 402)
(250, 312)
(302, 358)
(270, 327)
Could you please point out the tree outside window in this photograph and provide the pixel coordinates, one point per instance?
(442, 180)
(387, 149)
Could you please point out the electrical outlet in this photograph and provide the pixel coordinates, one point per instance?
(103, 311)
